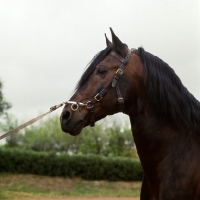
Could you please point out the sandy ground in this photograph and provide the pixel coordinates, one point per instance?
(83, 198)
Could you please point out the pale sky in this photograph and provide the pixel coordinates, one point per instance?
(46, 44)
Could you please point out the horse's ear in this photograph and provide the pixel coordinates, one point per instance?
(118, 46)
(108, 42)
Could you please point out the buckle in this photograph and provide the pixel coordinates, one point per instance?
(120, 71)
(121, 100)
(121, 103)
(98, 97)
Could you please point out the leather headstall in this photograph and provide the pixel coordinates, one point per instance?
(114, 84)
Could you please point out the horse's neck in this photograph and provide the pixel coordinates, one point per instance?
(154, 139)
(148, 135)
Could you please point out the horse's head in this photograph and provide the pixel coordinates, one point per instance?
(109, 85)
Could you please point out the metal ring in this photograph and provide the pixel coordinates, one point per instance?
(89, 105)
(74, 107)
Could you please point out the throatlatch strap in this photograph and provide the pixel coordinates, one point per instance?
(119, 98)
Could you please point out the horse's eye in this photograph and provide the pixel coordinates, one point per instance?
(101, 71)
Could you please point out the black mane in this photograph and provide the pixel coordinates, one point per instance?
(91, 66)
(171, 101)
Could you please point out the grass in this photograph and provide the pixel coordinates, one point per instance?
(14, 186)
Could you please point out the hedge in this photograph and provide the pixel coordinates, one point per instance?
(87, 167)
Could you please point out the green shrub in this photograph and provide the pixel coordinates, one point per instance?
(87, 167)
(105, 139)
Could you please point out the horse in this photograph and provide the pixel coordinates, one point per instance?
(164, 116)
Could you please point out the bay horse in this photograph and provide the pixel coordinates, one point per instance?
(164, 116)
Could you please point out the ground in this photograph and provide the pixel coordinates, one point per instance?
(32, 187)
(85, 198)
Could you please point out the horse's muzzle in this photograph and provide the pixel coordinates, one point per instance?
(70, 126)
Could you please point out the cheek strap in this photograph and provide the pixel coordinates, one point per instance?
(120, 70)
(114, 83)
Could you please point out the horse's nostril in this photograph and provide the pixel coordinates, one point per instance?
(65, 117)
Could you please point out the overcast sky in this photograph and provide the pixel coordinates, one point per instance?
(46, 44)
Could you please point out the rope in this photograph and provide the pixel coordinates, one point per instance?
(30, 121)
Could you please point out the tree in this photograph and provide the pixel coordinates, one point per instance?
(105, 139)
(3, 104)
(10, 122)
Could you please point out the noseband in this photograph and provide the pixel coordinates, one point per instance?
(114, 83)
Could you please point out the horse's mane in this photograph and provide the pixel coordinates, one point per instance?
(91, 66)
(171, 101)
